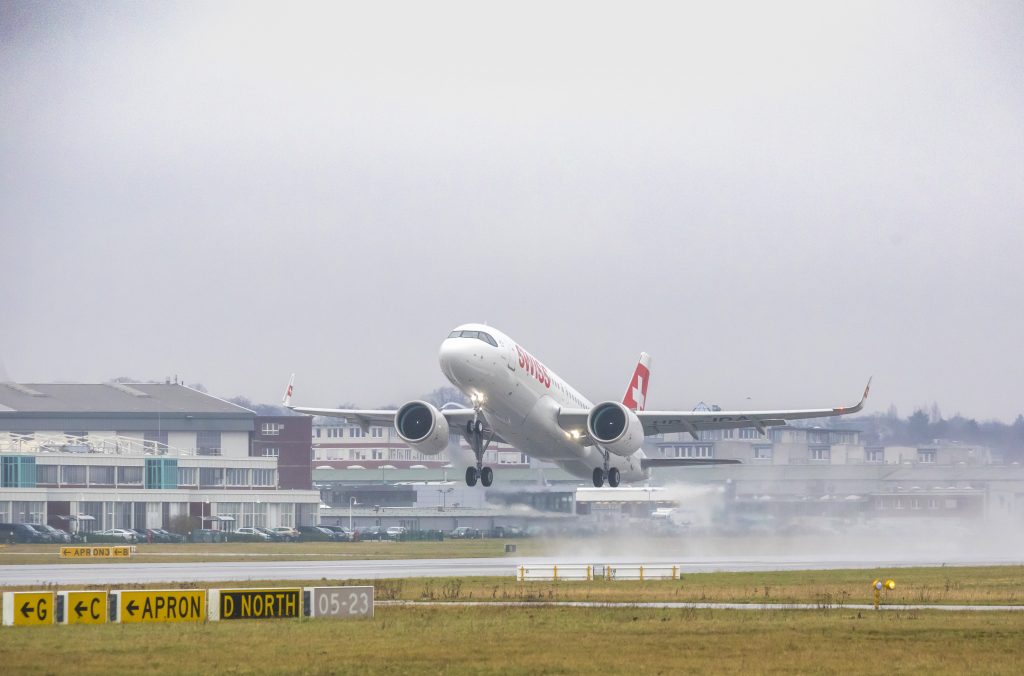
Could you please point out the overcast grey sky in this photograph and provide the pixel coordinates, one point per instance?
(775, 200)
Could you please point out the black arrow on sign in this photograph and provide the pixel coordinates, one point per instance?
(80, 608)
(26, 609)
(131, 607)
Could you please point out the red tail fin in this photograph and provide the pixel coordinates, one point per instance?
(636, 392)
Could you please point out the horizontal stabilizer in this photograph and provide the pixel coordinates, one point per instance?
(684, 462)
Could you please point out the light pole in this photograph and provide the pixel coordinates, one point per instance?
(351, 501)
(444, 496)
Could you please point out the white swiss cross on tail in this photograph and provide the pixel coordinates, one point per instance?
(636, 392)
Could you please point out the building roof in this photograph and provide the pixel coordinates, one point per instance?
(74, 398)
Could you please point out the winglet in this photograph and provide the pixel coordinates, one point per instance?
(287, 401)
(844, 410)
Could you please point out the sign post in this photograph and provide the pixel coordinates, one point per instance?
(161, 605)
(85, 607)
(253, 604)
(340, 602)
(22, 609)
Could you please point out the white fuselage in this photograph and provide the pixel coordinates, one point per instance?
(520, 398)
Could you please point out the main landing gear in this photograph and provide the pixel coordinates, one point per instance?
(475, 435)
(601, 473)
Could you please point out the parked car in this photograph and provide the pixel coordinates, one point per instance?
(115, 534)
(465, 533)
(163, 536)
(54, 534)
(287, 533)
(395, 532)
(340, 534)
(247, 534)
(11, 533)
(370, 533)
(206, 535)
(315, 534)
(271, 535)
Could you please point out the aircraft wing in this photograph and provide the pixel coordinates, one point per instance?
(457, 417)
(574, 421)
(659, 422)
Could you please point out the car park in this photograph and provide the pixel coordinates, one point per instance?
(11, 533)
(465, 533)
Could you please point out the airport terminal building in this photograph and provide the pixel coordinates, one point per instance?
(88, 457)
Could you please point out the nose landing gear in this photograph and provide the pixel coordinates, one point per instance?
(475, 436)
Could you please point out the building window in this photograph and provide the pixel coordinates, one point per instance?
(355, 432)
(269, 429)
(271, 452)
(230, 514)
(155, 441)
(874, 455)
(207, 443)
(762, 452)
(316, 432)
(29, 512)
(695, 451)
(821, 453)
(186, 476)
(18, 472)
(236, 476)
(161, 473)
(377, 432)
(211, 476)
(286, 514)
(749, 433)
(129, 475)
(378, 454)
(102, 476)
(46, 474)
(263, 477)
(72, 474)
(926, 456)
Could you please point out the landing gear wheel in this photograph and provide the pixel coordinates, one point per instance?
(486, 476)
(469, 427)
(598, 477)
(613, 477)
(471, 476)
(479, 427)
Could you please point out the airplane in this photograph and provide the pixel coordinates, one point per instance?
(516, 399)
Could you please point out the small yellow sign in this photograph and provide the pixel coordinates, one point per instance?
(250, 604)
(115, 552)
(85, 607)
(164, 605)
(28, 608)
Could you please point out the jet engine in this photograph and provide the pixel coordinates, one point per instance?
(423, 427)
(616, 428)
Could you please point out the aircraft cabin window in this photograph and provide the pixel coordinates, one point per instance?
(486, 337)
(455, 334)
(470, 334)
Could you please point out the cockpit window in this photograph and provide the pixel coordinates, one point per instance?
(479, 335)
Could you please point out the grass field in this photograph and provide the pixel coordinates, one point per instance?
(276, 551)
(536, 640)
(986, 585)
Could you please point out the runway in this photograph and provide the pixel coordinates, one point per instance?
(217, 571)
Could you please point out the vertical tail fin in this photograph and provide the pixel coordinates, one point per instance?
(288, 393)
(636, 392)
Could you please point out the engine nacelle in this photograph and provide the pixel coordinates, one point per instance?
(423, 427)
(616, 428)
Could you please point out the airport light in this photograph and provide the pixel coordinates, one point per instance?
(878, 586)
